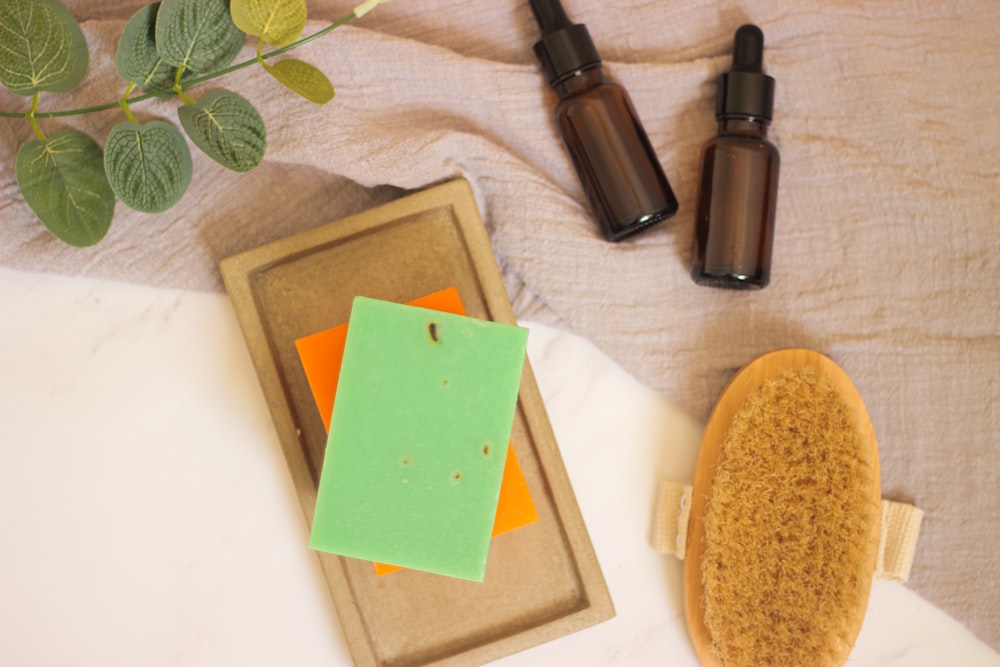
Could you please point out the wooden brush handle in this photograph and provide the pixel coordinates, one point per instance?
(767, 367)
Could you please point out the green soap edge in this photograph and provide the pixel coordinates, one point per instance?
(472, 563)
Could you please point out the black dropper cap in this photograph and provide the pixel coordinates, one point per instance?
(746, 91)
(565, 47)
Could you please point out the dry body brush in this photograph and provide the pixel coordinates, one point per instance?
(791, 528)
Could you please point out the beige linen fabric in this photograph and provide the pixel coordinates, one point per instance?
(888, 233)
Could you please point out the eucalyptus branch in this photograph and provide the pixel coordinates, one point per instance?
(33, 114)
(71, 182)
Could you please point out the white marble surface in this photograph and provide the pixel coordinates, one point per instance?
(147, 517)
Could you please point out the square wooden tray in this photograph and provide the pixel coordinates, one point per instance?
(543, 580)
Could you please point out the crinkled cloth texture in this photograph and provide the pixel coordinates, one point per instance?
(888, 222)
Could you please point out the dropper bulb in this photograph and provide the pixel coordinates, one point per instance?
(748, 49)
(565, 47)
(550, 15)
(745, 91)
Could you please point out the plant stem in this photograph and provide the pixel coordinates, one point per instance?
(179, 89)
(34, 119)
(260, 57)
(201, 79)
(124, 102)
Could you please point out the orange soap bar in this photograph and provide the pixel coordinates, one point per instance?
(321, 355)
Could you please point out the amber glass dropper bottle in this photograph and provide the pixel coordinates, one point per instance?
(737, 193)
(620, 172)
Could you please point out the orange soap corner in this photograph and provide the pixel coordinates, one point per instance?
(515, 507)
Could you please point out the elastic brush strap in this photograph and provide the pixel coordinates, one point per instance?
(898, 540)
(670, 518)
(900, 528)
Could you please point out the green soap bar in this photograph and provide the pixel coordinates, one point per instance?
(418, 439)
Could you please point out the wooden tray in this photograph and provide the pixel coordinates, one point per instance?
(543, 580)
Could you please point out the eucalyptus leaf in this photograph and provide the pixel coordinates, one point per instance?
(277, 22)
(227, 128)
(198, 35)
(63, 181)
(148, 165)
(137, 59)
(41, 47)
(302, 79)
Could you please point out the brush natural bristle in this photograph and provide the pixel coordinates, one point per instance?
(789, 526)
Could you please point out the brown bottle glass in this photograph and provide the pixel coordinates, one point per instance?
(734, 221)
(737, 193)
(617, 166)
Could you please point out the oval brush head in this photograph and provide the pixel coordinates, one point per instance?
(784, 517)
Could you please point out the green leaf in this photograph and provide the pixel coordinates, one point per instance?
(63, 181)
(148, 165)
(137, 59)
(303, 79)
(198, 35)
(41, 47)
(277, 22)
(227, 127)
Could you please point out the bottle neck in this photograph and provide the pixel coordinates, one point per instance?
(579, 81)
(744, 126)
